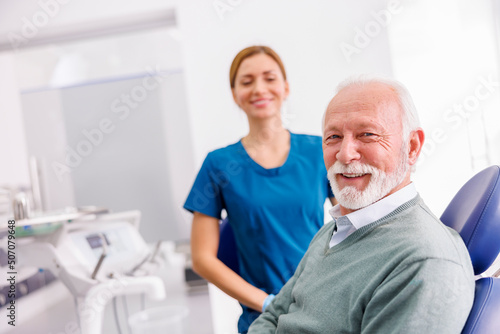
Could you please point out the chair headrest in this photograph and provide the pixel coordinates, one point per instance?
(474, 212)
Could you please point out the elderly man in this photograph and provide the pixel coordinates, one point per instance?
(385, 264)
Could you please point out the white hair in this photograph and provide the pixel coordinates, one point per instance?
(409, 117)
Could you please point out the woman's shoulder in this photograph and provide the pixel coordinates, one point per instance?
(306, 139)
(229, 152)
(229, 149)
(307, 144)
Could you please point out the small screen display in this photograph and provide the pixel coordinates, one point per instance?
(95, 240)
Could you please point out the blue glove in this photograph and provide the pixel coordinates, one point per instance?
(267, 301)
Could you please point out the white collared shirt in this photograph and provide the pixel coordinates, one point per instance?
(353, 221)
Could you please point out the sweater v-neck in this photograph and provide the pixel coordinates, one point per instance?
(351, 239)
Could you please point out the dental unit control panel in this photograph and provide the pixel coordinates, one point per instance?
(96, 256)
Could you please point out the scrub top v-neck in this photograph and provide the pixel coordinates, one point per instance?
(259, 168)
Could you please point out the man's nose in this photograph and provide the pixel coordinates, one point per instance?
(349, 151)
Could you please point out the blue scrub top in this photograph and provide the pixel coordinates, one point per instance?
(274, 212)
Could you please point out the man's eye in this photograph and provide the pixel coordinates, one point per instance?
(333, 137)
(368, 134)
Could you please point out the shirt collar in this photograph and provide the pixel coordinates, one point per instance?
(379, 209)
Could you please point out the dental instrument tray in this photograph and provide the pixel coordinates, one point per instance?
(49, 222)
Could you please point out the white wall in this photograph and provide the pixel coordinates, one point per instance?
(46, 141)
(450, 65)
(16, 18)
(14, 169)
(149, 50)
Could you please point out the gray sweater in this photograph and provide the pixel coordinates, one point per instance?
(404, 273)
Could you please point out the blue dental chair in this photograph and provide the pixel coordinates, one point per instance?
(474, 212)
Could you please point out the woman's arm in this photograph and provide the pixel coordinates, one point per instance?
(204, 245)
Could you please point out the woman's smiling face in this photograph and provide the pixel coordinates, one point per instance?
(259, 87)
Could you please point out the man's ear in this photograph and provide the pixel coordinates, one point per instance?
(416, 143)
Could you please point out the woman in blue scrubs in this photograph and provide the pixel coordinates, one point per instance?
(272, 185)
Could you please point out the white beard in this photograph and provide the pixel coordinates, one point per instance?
(378, 187)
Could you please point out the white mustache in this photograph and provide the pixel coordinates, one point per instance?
(354, 168)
